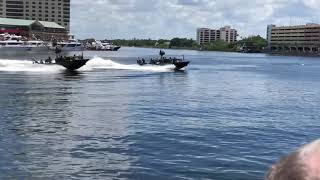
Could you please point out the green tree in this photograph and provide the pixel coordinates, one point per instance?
(256, 41)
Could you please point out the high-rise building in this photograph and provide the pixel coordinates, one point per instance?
(57, 11)
(303, 38)
(206, 35)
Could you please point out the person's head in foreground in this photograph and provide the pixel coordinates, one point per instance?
(303, 164)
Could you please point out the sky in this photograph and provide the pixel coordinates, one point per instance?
(166, 19)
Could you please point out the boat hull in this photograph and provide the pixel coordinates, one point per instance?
(72, 49)
(116, 48)
(72, 64)
(39, 49)
(180, 65)
(14, 49)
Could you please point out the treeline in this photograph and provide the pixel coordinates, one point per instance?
(253, 42)
(161, 43)
(184, 43)
(135, 42)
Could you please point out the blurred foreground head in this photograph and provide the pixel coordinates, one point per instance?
(303, 164)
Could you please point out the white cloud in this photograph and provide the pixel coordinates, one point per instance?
(180, 18)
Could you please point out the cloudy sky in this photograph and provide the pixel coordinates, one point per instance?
(166, 19)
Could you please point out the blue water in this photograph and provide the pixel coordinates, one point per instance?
(227, 116)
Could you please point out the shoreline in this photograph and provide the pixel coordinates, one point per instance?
(262, 52)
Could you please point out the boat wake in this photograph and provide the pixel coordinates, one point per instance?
(7, 65)
(99, 63)
(27, 66)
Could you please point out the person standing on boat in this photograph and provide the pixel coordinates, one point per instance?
(161, 53)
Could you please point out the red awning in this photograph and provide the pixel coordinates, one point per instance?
(13, 31)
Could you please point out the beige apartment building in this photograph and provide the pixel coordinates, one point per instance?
(303, 38)
(57, 11)
(207, 35)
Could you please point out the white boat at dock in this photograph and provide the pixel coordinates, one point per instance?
(102, 46)
(13, 43)
(71, 46)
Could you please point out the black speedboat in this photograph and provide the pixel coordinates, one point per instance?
(179, 63)
(69, 62)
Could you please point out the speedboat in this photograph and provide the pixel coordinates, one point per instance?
(179, 63)
(71, 63)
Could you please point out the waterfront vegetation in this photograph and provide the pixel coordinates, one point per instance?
(184, 43)
(255, 41)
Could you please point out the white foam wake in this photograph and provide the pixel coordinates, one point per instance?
(94, 63)
(27, 66)
(99, 63)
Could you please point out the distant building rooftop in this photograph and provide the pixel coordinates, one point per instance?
(15, 22)
(22, 22)
(51, 25)
(295, 26)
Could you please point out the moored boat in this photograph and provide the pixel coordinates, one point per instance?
(102, 46)
(71, 45)
(13, 43)
(37, 46)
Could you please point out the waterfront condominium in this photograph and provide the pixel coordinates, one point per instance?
(302, 38)
(206, 35)
(57, 11)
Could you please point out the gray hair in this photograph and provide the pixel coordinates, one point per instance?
(295, 166)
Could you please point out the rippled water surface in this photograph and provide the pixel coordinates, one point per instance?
(227, 116)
